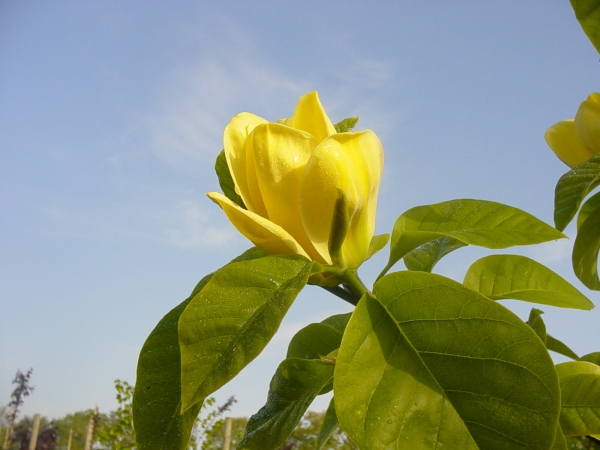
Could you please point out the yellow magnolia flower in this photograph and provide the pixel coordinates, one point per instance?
(577, 140)
(290, 175)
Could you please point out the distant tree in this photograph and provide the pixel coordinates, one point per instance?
(17, 397)
(47, 437)
(116, 431)
(78, 422)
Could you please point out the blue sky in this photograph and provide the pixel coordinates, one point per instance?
(111, 117)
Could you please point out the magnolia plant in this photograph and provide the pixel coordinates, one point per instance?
(422, 361)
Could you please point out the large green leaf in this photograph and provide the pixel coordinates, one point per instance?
(157, 416)
(159, 424)
(226, 180)
(330, 423)
(558, 347)
(293, 388)
(572, 188)
(476, 222)
(585, 251)
(587, 208)
(430, 364)
(425, 257)
(228, 323)
(580, 397)
(521, 278)
(588, 15)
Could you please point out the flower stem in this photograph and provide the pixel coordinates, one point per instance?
(343, 294)
(353, 283)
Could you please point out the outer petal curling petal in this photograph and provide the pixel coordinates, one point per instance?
(310, 116)
(353, 163)
(564, 142)
(234, 142)
(263, 233)
(587, 122)
(280, 154)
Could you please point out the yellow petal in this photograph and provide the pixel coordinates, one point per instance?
(280, 155)
(310, 116)
(263, 233)
(352, 162)
(587, 122)
(563, 140)
(234, 142)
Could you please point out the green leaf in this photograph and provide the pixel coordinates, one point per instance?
(330, 423)
(594, 358)
(425, 257)
(346, 125)
(313, 341)
(429, 363)
(226, 181)
(476, 222)
(557, 346)
(229, 322)
(377, 243)
(588, 15)
(572, 188)
(585, 251)
(537, 323)
(159, 424)
(293, 388)
(580, 393)
(588, 207)
(157, 397)
(338, 321)
(521, 278)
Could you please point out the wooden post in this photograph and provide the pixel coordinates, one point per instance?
(227, 437)
(34, 432)
(70, 438)
(89, 439)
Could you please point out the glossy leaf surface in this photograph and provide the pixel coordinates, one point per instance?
(427, 255)
(580, 392)
(585, 251)
(476, 222)
(229, 322)
(572, 188)
(521, 278)
(157, 416)
(431, 364)
(293, 388)
(158, 422)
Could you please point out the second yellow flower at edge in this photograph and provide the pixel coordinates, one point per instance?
(290, 174)
(576, 140)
